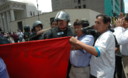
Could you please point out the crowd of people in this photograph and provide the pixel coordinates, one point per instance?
(94, 48)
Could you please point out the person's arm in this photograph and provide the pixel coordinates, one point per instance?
(42, 31)
(76, 47)
(88, 39)
(3, 69)
(121, 35)
(120, 32)
(47, 34)
(84, 46)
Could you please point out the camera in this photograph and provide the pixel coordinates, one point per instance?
(91, 31)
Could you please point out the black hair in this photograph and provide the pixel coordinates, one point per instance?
(84, 23)
(126, 18)
(27, 28)
(52, 19)
(77, 22)
(106, 19)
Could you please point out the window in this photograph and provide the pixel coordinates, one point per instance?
(84, 6)
(79, 1)
(79, 6)
(33, 13)
(30, 13)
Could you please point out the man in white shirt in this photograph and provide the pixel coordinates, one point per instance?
(103, 60)
(121, 34)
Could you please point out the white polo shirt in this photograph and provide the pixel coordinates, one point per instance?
(121, 35)
(104, 65)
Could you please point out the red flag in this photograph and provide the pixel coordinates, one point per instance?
(37, 59)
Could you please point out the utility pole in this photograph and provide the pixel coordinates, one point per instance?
(37, 9)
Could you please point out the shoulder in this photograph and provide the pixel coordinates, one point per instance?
(91, 36)
(118, 28)
(107, 34)
(52, 30)
(107, 37)
(88, 37)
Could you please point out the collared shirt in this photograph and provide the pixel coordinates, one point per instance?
(104, 65)
(3, 71)
(81, 58)
(121, 35)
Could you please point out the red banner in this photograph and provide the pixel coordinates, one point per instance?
(37, 59)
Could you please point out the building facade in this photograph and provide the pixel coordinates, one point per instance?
(108, 7)
(45, 18)
(114, 8)
(122, 6)
(12, 10)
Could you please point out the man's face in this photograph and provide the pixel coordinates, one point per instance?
(38, 28)
(78, 30)
(99, 25)
(54, 24)
(125, 24)
(62, 24)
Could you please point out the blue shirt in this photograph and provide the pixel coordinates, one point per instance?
(3, 71)
(81, 58)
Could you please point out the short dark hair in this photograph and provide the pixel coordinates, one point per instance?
(52, 19)
(77, 22)
(126, 18)
(106, 19)
(84, 23)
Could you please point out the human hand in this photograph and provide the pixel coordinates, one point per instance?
(119, 23)
(121, 15)
(73, 40)
(74, 44)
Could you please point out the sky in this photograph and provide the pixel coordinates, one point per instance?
(126, 6)
(45, 5)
